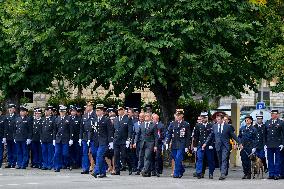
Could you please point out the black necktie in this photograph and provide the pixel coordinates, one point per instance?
(219, 128)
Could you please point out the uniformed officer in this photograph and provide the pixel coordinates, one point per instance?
(274, 140)
(75, 149)
(9, 127)
(157, 163)
(179, 135)
(131, 115)
(46, 138)
(248, 143)
(2, 119)
(36, 145)
(200, 134)
(104, 131)
(136, 127)
(88, 138)
(260, 127)
(148, 136)
(23, 136)
(63, 138)
(123, 128)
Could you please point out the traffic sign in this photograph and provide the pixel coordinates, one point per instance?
(260, 105)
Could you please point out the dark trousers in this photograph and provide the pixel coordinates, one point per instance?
(246, 162)
(274, 159)
(61, 155)
(75, 154)
(120, 156)
(47, 155)
(282, 163)
(36, 153)
(134, 158)
(222, 155)
(140, 161)
(22, 154)
(157, 161)
(146, 152)
(12, 152)
(1, 153)
(201, 164)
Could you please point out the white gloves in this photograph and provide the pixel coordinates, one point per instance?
(15, 141)
(281, 147)
(29, 141)
(110, 145)
(186, 150)
(167, 146)
(265, 148)
(195, 149)
(80, 142)
(127, 144)
(210, 147)
(4, 141)
(253, 150)
(88, 142)
(53, 142)
(70, 142)
(40, 141)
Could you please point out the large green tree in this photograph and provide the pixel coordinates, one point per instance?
(22, 59)
(179, 47)
(173, 47)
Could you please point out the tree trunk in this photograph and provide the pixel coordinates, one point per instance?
(167, 98)
(80, 91)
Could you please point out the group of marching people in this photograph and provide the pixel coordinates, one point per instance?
(121, 139)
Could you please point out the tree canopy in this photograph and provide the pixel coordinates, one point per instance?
(173, 47)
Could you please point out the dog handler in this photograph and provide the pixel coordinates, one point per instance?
(248, 144)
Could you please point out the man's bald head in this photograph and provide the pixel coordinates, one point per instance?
(155, 118)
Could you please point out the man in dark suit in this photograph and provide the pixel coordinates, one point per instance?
(46, 138)
(179, 135)
(104, 129)
(63, 134)
(87, 137)
(148, 136)
(137, 145)
(123, 128)
(222, 133)
(23, 136)
(157, 162)
(75, 149)
(274, 141)
(9, 127)
(36, 146)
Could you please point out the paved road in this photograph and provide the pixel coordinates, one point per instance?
(34, 178)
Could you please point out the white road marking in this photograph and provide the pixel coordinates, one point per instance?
(12, 184)
(32, 183)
